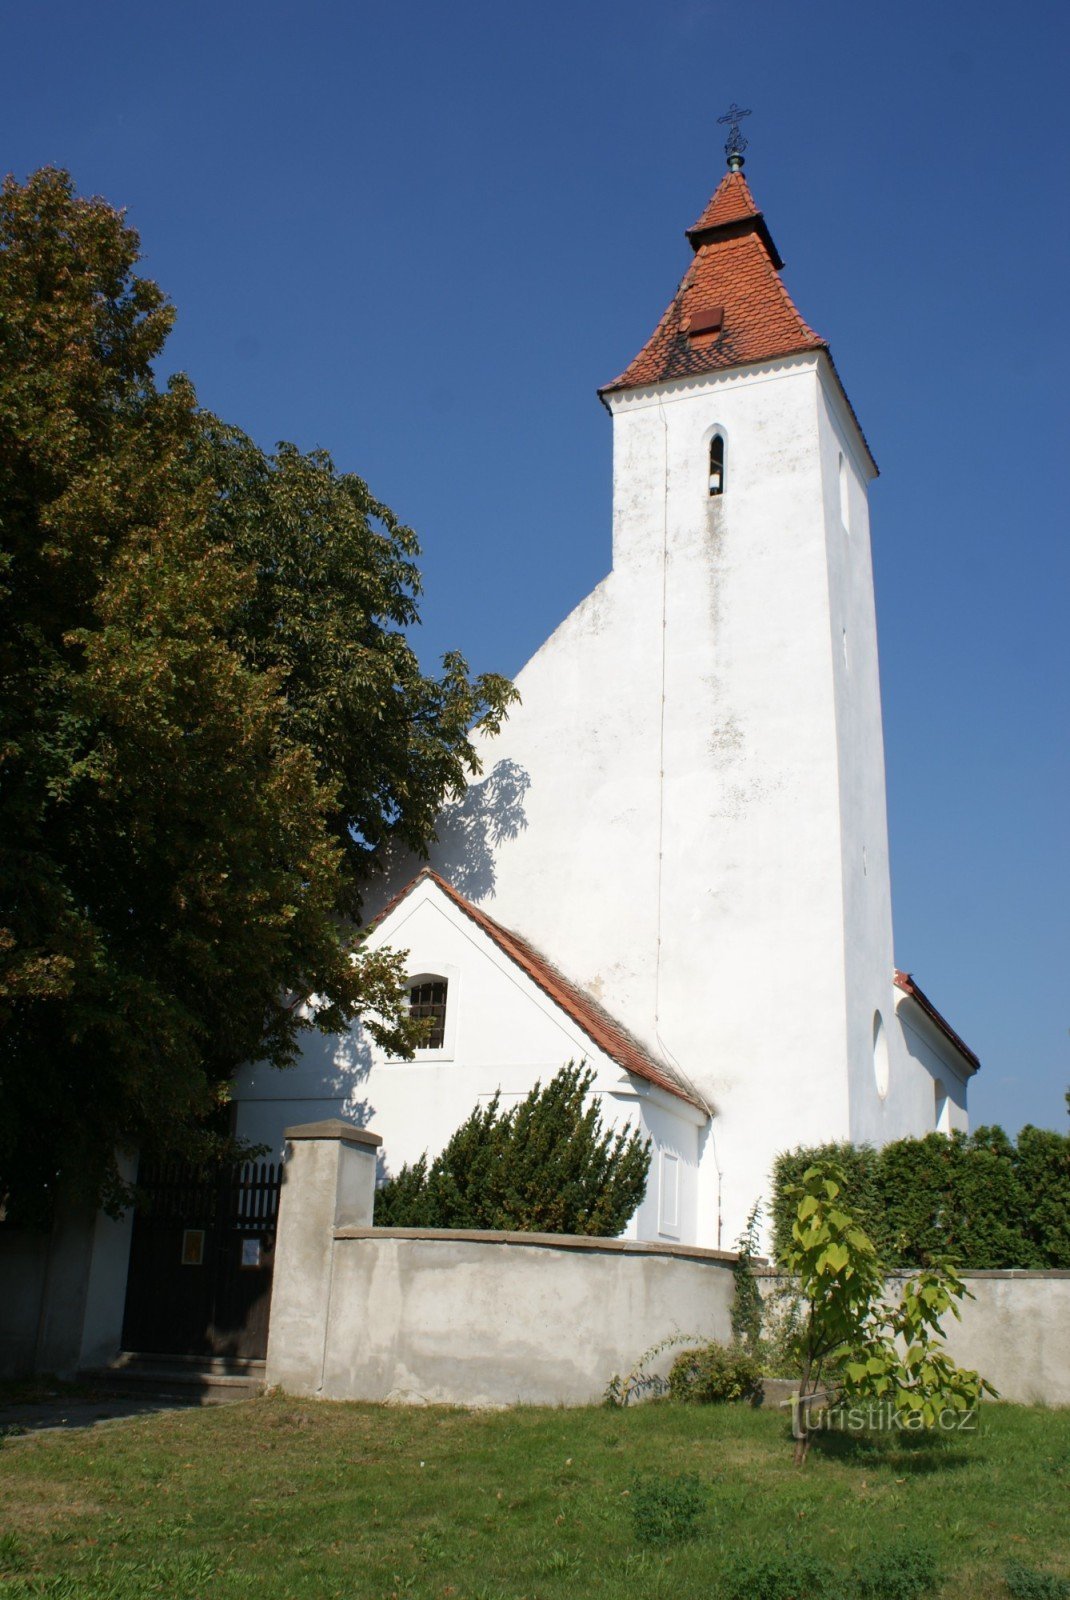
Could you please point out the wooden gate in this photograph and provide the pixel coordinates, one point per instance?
(201, 1260)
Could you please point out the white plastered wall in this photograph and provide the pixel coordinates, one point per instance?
(677, 740)
(502, 1033)
(847, 472)
(936, 1077)
(687, 811)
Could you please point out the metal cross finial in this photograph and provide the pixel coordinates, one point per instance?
(735, 144)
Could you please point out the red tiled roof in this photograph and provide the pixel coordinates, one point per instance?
(595, 1022)
(904, 981)
(732, 204)
(731, 201)
(735, 266)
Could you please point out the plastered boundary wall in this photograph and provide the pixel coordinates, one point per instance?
(490, 1319)
(486, 1320)
(62, 1291)
(1015, 1331)
(461, 1317)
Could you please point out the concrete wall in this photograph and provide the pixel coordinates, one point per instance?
(1015, 1332)
(484, 1319)
(62, 1291)
(462, 1317)
(23, 1266)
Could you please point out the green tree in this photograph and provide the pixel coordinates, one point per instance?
(546, 1165)
(210, 722)
(851, 1341)
(334, 584)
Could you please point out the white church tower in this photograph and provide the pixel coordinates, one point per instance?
(676, 864)
(704, 847)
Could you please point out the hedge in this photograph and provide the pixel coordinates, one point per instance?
(979, 1200)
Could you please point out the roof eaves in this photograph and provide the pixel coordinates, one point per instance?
(905, 982)
(601, 1028)
(852, 412)
(814, 347)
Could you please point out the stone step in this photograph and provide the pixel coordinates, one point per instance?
(198, 1379)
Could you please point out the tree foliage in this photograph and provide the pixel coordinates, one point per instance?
(334, 584)
(546, 1165)
(853, 1343)
(982, 1200)
(210, 723)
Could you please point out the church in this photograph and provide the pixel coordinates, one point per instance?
(675, 864)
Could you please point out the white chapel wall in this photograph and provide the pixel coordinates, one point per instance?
(502, 1034)
(846, 471)
(935, 1075)
(704, 909)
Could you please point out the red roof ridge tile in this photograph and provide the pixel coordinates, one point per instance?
(595, 1021)
(905, 982)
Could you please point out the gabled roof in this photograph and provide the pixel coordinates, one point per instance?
(905, 982)
(736, 268)
(613, 1040)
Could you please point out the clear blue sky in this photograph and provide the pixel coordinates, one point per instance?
(421, 235)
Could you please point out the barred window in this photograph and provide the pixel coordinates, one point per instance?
(427, 998)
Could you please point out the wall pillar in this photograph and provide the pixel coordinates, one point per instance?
(64, 1288)
(109, 1268)
(328, 1182)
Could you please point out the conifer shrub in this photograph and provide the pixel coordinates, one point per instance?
(857, 1163)
(546, 1165)
(982, 1200)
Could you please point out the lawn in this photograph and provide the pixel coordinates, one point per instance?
(283, 1499)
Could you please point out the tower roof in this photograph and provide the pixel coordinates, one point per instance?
(731, 308)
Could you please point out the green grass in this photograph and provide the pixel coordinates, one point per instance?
(281, 1499)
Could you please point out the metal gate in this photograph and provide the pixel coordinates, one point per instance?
(201, 1260)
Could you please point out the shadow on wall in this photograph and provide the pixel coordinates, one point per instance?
(470, 832)
(948, 1089)
(338, 1064)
